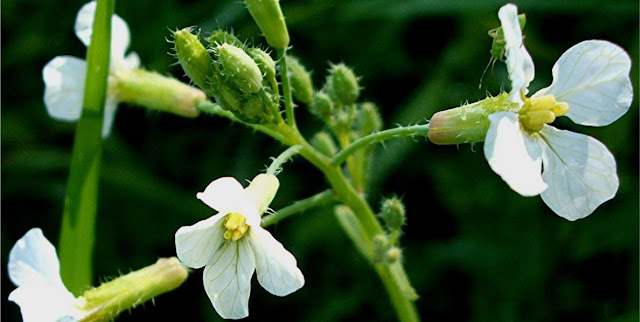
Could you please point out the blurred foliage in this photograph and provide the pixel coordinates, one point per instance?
(474, 249)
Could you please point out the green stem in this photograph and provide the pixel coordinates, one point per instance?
(275, 166)
(80, 206)
(393, 275)
(422, 129)
(286, 88)
(317, 200)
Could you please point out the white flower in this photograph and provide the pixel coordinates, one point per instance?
(232, 245)
(64, 76)
(591, 86)
(35, 269)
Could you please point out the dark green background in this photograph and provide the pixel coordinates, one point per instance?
(474, 249)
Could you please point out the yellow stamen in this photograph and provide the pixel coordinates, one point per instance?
(538, 111)
(236, 226)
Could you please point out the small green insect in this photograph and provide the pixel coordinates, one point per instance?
(498, 45)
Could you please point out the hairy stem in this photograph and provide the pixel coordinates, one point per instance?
(317, 200)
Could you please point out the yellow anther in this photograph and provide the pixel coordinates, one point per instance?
(236, 226)
(538, 111)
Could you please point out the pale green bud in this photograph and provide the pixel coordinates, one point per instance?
(322, 105)
(370, 119)
(324, 143)
(219, 37)
(380, 247)
(157, 92)
(239, 68)
(342, 84)
(252, 110)
(393, 255)
(107, 301)
(467, 123)
(194, 58)
(393, 213)
(229, 98)
(262, 190)
(267, 67)
(300, 80)
(268, 16)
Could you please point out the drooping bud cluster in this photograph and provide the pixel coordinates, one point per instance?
(241, 79)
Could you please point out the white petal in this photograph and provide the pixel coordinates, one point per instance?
(196, 244)
(35, 269)
(64, 78)
(276, 267)
(593, 77)
(519, 62)
(227, 279)
(33, 259)
(44, 303)
(580, 172)
(110, 107)
(514, 155)
(120, 35)
(132, 61)
(227, 195)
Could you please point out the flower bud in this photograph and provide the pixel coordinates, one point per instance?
(393, 255)
(268, 16)
(322, 105)
(370, 120)
(300, 80)
(380, 247)
(262, 190)
(393, 213)
(157, 92)
(194, 58)
(229, 98)
(267, 67)
(342, 84)
(106, 301)
(467, 123)
(239, 68)
(219, 37)
(323, 142)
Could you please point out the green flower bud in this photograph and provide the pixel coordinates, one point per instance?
(370, 119)
(268, 16)
(157, 92)
(467, 123)
(324, 143)
(393, 255)
(194, 58)
(300, 80)
(342, 84)
(393, 213)
(229, 98)
(239, 68)
(107, 301)
(219, 37)
(380, 247)
(322, 105)
(267, 67)
(252, 110)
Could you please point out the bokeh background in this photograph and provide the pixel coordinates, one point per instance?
(474, 249)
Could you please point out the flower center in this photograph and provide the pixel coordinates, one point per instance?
(538, 111)
(236, 226)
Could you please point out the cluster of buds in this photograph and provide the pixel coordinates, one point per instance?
(242, 79)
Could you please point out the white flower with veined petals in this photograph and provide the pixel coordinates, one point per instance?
(232, 245)
(35, 269)
(591, 86)
(64, 76)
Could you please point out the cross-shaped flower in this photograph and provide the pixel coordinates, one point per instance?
(232, 245)
(591, 86)
(35, 269)
(64, 76)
